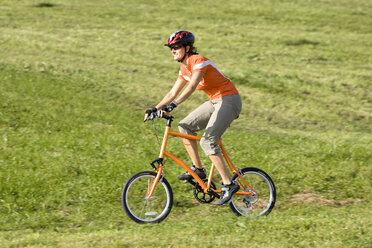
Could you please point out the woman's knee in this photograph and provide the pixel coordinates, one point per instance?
(209, 146)
(185, 128)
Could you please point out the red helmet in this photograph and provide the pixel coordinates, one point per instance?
(180, 37)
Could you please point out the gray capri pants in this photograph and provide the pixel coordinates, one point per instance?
(215, 116)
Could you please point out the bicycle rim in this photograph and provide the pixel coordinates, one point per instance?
(141, 209)
(262, 202)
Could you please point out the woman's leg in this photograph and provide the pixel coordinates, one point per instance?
(195, 121)
(227, 109)
(192, 149)
(219, 162)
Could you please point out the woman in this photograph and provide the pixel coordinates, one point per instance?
(215, 115)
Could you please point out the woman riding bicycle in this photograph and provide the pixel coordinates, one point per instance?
(215, 115)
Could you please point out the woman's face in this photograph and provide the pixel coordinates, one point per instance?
(178, 52)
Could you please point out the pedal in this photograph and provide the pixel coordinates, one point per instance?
(190, 181)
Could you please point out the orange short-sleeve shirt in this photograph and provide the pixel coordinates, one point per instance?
(214, 83)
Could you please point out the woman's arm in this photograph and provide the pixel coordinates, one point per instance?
(172, 94)
(195, 79)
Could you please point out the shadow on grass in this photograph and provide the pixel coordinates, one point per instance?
(301, 42)
(44, 5)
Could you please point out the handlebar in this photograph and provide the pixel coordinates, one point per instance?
(158, 114)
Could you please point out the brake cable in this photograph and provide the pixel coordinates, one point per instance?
(154, 128)
(156, 135)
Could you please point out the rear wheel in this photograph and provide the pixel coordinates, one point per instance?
(263, 199)
(138, 207)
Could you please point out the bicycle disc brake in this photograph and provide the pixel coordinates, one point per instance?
(201, 196)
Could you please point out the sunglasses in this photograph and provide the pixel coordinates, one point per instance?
(176, 47)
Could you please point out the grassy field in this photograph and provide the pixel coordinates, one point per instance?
(76, 77)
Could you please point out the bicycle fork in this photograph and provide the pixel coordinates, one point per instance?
(154, 182)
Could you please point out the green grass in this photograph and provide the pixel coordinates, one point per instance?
(76, 77)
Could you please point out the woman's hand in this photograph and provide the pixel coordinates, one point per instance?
(149, 112)
(168, 108)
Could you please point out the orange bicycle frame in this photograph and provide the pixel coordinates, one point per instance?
(206, 188)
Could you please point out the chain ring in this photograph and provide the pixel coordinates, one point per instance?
(201, 196)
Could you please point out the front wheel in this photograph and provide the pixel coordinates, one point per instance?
(138, 206)
(262, 201)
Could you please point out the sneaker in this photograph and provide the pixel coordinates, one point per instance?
(187, 176)
(227, 192)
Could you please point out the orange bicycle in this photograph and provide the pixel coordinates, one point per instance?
(147, 197)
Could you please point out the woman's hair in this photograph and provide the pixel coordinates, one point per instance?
(192, 50)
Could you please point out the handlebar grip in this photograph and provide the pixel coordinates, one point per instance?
(146, 117)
